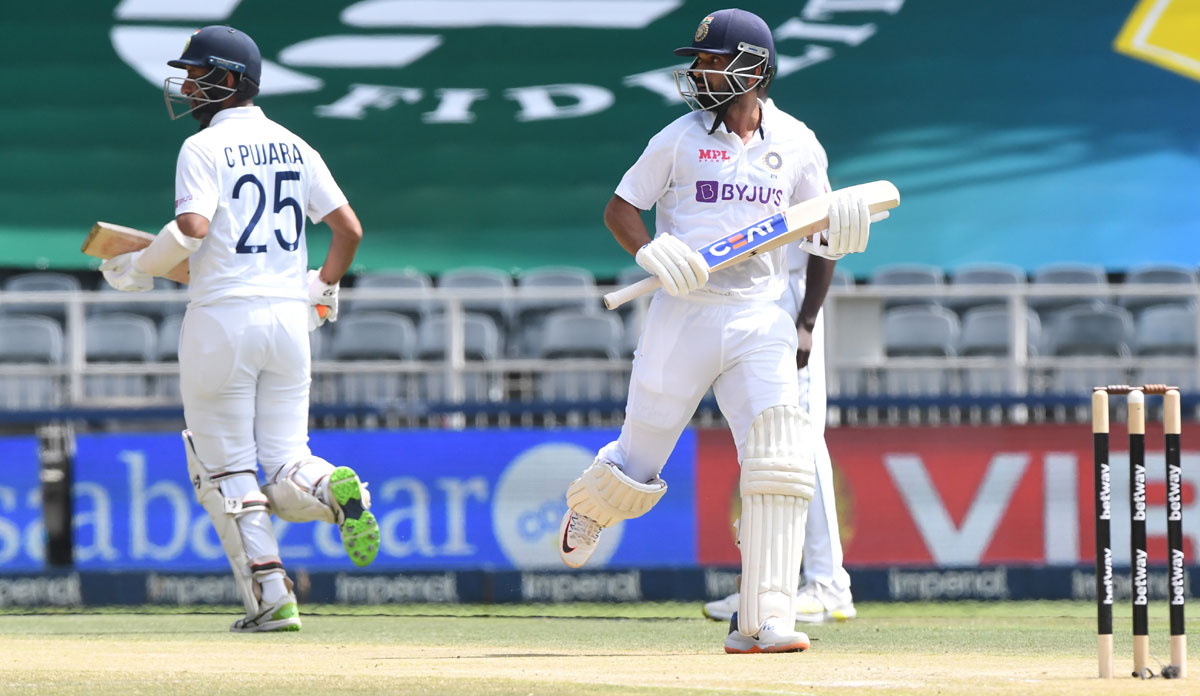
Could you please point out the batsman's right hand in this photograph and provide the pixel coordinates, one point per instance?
(680, 269)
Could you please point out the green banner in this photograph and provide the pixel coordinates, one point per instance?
(468, 132)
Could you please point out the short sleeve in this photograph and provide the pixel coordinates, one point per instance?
(196, 187)
(813, 180)
(324, 195)
(650, 176)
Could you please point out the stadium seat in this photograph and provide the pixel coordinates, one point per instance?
(530, 313)
(986, 332)
(983, 274)
(499, 308)
(908, 275)
(842, 279)
(1094, 333)
(1167, 331)
(119, 338)
(168, 351)
(373, 336)
(1095, 329)
(34, 340)
(919, 331)
(406, 279)
(1160, 274)
(1067, 274)
(154, 309)
(574, 335)
(481, 343)
(47, 281)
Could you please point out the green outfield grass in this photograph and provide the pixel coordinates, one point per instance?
(607, 649)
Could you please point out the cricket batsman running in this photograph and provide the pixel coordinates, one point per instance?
(735, 159)
(243, 185)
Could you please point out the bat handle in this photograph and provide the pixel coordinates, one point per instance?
(616, 298)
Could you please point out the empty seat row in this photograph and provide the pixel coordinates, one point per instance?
(919, 275)
(1094, 329)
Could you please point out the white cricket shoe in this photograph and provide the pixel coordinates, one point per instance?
(770, 639)
(578, 536)
(280, 616)
(819, 603)
(721, 609)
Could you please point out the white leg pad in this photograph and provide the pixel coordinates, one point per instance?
(300, 492)
(229, 514)
(604, 493)
(777, 480)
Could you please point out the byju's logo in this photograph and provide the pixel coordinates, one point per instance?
(712, 191)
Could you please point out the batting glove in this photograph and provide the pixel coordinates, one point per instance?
(120, 272)
(849, 228)
(323, 298)
(680, 269)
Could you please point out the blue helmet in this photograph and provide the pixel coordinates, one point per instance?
(732, 32)
(224, 50)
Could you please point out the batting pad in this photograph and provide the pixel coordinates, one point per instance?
(604, 493)
(777, 481)
(294, 499)
(233, 512)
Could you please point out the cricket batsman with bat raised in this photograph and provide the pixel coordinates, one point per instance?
(243, 185)
(735, 159)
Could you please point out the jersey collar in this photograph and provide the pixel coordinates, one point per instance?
(237, 112)
(709, 117)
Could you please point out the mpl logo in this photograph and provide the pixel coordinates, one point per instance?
(440, 38)
(714, 156)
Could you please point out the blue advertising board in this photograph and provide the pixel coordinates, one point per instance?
(444, 500)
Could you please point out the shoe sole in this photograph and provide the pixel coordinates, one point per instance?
(288, 620)
(838, 616)
(755, 649)
(715, 616)
(359, 528)
(566, 559)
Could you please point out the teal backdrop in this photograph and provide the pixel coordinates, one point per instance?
(1014, 131)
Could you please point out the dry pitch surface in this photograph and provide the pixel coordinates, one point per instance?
(945, 648)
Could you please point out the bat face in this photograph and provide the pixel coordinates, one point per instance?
(745, 242)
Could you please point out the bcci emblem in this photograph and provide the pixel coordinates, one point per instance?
(773, 161)
(702, 30)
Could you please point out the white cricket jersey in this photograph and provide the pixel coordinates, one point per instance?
(706, 186)
(254, 180)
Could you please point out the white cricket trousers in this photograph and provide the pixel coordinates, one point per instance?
(244, 378)
(822, 539)
(746, 352)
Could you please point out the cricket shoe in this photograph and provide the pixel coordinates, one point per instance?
(578, 535)
(283, 615)
(721, 609)
(770, 639)
(360, 530)
(819, 603)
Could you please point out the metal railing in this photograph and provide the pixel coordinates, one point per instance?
(522, 389)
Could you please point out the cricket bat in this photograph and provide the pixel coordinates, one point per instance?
(789, 226)
(107, 240)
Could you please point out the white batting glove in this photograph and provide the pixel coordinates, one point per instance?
(680, 269)
(120, 272)
(323, 299)
(849, 228)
